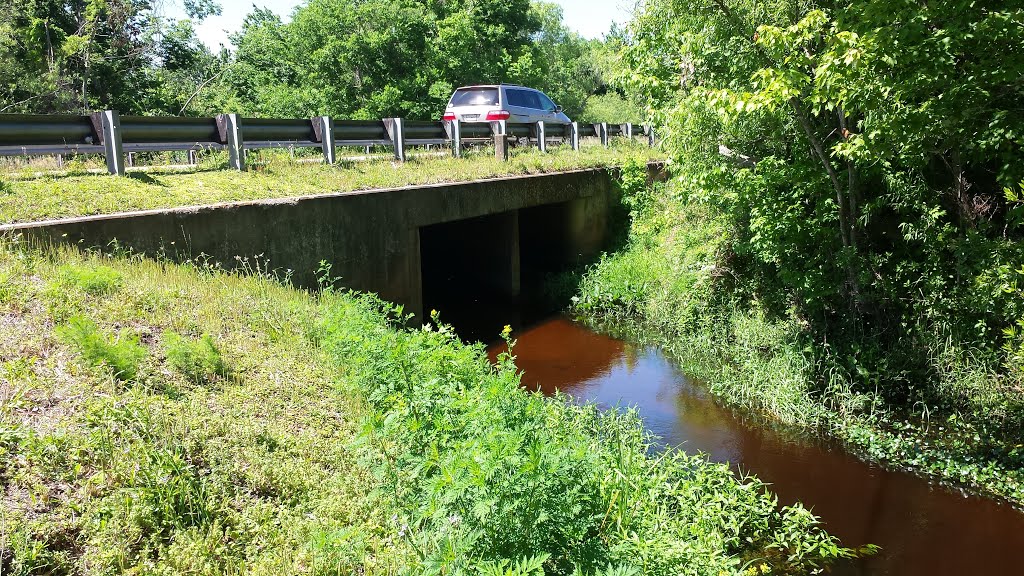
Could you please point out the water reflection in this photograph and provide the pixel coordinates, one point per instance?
(923, 529)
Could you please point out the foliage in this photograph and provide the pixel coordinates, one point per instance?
(80, 56)
(198, 360)
(456, 469)
(379, 58)
(525, 567)
(635, 193)
(97, 280)
(122, 355)
(252, 476)
(609, 107)
(346, 58)
(858, 153)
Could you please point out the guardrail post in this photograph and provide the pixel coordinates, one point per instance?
(230, 128)
(574, 135)
(501, 147)
(542, 139)
(107, 125)
(603, 133)
(323, 127)
(396, 129)
(627, 129)
(498, 130)
(650, 135)
(456, 133)
(192, 157)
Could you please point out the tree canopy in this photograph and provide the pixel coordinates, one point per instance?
(345, 58)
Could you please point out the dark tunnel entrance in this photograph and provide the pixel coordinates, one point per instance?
(546, 249)
(486, 272)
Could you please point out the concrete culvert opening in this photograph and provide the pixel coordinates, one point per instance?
(470, 273)
(483, 273)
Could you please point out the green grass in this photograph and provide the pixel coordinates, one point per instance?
(268, 430)
(189, 467)
(30, 197)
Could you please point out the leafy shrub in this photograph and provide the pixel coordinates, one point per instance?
(609, 107)
(200, 360)
(122, 355)
(636, 194)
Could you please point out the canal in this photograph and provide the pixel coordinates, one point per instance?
(922, 528)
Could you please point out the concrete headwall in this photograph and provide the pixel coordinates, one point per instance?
(371, 238)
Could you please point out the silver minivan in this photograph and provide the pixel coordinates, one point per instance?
(497, 102)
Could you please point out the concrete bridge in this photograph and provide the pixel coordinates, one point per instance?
(406, 244)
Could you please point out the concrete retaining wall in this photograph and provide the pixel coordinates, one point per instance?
(371, 237)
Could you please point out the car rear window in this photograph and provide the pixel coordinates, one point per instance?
(475, 97)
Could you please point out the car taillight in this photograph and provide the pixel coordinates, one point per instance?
(448, 117)
(498, 115)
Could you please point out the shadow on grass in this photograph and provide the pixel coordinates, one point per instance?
(142, 173)
(147, 178)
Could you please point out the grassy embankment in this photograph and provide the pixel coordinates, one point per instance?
(28, 195)
(672, 284)
(159, 418)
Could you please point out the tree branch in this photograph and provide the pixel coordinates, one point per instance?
(200, 88)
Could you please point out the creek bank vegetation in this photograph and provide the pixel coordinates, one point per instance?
(160, 418)
(840, 244)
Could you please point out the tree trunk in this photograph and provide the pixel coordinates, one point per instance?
(844, 201)
(819, 150)
(853, 185)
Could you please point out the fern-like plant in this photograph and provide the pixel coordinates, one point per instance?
(123, 355)
(530, 566)
(198, 360)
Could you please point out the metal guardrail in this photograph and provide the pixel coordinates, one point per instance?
(113, 135)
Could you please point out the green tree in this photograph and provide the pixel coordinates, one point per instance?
(83, 55)
(859, 149)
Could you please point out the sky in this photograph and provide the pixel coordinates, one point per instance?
(590, 18)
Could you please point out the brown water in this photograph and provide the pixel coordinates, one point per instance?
(923, 529)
